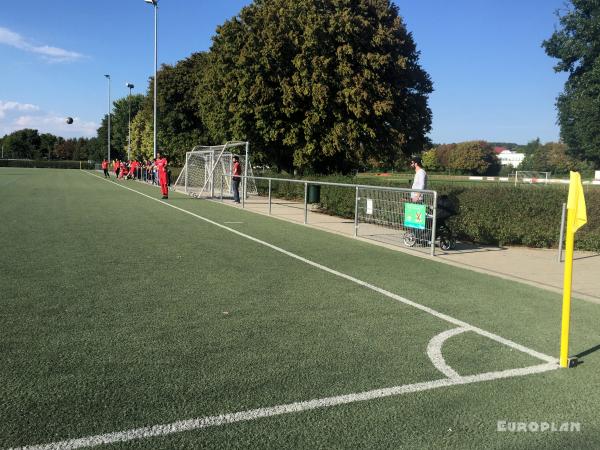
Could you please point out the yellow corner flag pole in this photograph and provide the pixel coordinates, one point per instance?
(576, 218)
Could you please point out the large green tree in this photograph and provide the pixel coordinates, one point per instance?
(23, 143)
(120, 121)
(180, 125)
(47, 143)
(473, 157)
(577, 47)
(102, 136)
(119, 125)
(318, 85)
(551, 157)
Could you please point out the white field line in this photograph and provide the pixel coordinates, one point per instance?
(210, 421)
(372, 287)
(434, 351)
(253, 414)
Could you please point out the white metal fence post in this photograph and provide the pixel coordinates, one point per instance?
(244, 192)
(433, 223)
(246, 167)
(356, 213)
(562, 233)
(187, 157)
(305, 202)
(269, 196)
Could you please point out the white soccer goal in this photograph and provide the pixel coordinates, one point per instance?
(208, 171)
(529, 176)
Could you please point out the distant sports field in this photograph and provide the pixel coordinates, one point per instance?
(131, 322)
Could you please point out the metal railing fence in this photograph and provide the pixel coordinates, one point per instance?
(392, 215)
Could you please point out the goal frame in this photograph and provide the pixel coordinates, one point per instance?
(218, 161)
(532, 176)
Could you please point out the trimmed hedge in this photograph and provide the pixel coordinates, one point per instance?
(521, 215)
(44, 164)
(497, 213)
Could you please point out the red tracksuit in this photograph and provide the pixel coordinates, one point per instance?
(123, 172)
(133, 169)
(161, 165)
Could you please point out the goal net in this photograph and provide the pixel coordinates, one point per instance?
(208, 171)
(531, 177)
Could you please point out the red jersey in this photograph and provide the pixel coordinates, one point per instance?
(161, 165)
(105, 164)
(237, 170)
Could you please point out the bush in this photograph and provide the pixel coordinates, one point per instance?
(500, 214)
(521, 215)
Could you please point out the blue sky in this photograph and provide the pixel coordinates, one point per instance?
(491, 77)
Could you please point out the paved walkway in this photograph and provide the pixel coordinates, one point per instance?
(537, 267)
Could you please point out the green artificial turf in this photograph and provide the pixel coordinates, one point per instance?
(119, 312)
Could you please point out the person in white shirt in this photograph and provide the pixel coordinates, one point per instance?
(420, 181)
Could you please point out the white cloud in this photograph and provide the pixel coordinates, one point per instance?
(13, 119)
(52, 54)
(15, 106)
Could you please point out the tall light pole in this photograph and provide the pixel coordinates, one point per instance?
(155, 4)
(108, 77)
(130, 86)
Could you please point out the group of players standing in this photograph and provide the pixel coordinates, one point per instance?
(148, 170)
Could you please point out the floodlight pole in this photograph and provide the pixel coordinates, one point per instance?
(130, 86)
(108, 77)
(155, 4)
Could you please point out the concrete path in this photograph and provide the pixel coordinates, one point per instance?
(537, 267)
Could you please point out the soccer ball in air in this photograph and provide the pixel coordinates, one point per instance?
(69, 120)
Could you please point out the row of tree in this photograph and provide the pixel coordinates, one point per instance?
(329, 86)
(473, 157)
(551, 157)
(30, 144)
(479, 158)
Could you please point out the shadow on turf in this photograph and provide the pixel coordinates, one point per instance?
(588, 351)
(576, 360)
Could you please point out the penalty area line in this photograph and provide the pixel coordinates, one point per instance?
(253, 414)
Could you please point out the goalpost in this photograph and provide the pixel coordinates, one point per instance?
(529, 176)
(208, 169)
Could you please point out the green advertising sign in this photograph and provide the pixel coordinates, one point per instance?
(414, 215)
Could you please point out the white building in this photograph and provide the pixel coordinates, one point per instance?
(508, 157)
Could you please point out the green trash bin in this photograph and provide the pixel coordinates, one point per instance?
(314, 193)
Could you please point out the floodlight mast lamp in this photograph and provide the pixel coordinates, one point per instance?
(155, 4)
(130, 86)
(108, 77)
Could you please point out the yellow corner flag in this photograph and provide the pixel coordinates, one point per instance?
(576, 218)
(576, 201)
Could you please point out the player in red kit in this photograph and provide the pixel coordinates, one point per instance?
(105, 168)
(133, 169)
(237, 171)
(161, 166)
(122, 170)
